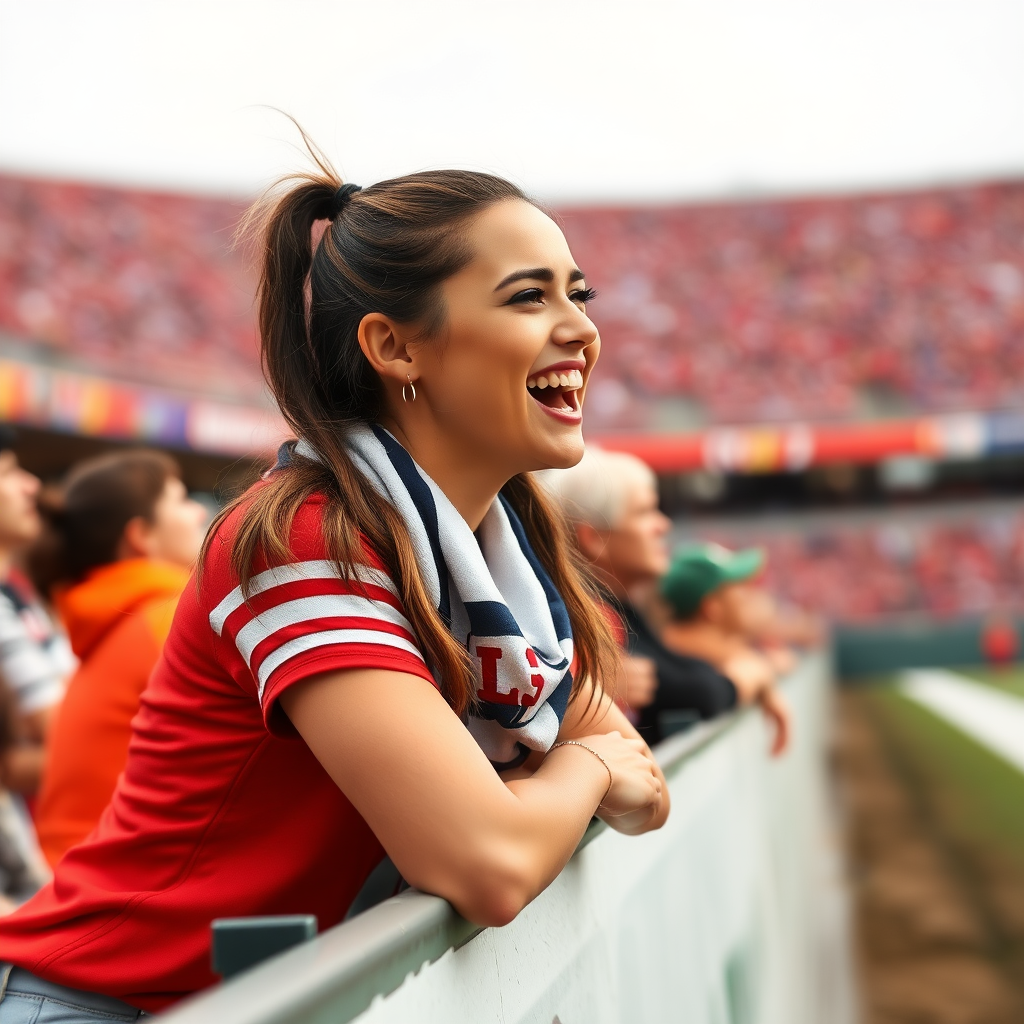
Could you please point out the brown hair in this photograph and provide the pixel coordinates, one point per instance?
(85, 518)
(387, 251)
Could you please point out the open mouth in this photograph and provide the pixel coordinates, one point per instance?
(557, 390)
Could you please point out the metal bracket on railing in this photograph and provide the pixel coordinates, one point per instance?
(239, 943)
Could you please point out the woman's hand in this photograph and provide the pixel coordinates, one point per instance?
(635, 783)
(594, 719)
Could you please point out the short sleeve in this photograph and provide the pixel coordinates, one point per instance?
(304, 617)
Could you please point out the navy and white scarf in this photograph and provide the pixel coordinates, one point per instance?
(492, 593)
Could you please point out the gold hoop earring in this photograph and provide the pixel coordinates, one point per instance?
(412, 387)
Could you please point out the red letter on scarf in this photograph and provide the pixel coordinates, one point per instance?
(489, 675)
(536, 679)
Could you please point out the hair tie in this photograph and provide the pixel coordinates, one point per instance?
(341, 197)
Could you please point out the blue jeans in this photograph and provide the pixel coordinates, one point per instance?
(26, 999)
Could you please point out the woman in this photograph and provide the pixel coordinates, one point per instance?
(116, 552)
(380, 627)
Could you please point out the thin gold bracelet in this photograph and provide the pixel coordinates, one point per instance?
(576, 743)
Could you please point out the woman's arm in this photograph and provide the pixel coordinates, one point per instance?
(589, 716)
(446, 819)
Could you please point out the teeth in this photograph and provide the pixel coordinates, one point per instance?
(571, 379)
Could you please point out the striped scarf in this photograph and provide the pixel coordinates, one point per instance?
(491, 592)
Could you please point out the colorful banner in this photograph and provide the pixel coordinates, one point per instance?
(794, 447)
(77, 403)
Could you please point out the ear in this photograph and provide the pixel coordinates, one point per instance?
(389, 347)
(591, 541)
(137, 540)
(710, 609)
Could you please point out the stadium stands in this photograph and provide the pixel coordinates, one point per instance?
(139, 285)
(860, 572)
(810, 309)
(831, 308)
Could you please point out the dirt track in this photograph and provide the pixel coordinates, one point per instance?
(940, 922)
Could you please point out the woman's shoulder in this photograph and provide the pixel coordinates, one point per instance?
(305, 543)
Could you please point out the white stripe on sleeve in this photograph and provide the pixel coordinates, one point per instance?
(332, 636)
(294, 572)
(307, 609)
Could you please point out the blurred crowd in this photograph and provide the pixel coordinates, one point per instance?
(91, 570)
(767, 310)
(699, 632)
(132, 283)
(809, 309)
(860, 572)
(90, 575)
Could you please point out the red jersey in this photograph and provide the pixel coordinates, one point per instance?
(222, 810)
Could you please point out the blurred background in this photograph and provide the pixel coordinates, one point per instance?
(805, 223)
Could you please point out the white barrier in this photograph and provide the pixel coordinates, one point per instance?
(725, 916)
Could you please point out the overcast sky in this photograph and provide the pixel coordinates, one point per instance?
(582, 101)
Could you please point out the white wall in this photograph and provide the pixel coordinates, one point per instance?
(580, 101)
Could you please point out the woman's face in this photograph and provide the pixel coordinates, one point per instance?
(175, 533)
(504, 383)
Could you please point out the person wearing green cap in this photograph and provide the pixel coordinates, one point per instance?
(716, 610)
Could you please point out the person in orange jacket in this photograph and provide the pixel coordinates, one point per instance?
(120, 539)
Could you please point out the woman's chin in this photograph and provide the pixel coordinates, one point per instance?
(563, 454)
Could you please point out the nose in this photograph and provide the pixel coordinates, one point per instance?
(576, 328)
(30, 482)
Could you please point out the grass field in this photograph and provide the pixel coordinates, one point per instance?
(936, 844)
(1010, 679)
(977, 796)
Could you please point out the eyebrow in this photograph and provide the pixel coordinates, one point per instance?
(538, 274)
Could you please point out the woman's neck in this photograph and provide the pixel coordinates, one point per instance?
(466, 479)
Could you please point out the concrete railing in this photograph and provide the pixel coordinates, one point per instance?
(730, 914)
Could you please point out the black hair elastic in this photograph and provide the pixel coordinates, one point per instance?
(341, 197)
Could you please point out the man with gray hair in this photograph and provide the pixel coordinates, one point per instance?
(611, 499)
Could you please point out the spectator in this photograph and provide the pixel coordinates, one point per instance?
(388, 646)
(716, 614)
(119, 542)
(612, 501)
(22, 867)
(35, 659)
(999, 640)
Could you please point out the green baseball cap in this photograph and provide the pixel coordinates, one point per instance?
(700, 569)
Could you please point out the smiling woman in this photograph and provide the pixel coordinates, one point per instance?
(389, 646)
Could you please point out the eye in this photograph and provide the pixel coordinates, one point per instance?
(527, 295)
(583, 295)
